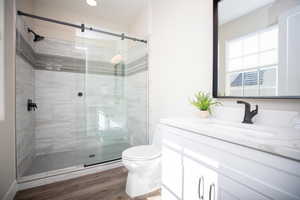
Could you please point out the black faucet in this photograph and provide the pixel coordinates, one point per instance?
(248, 113)
(30, 105)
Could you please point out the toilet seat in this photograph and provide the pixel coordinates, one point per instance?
(143, 152)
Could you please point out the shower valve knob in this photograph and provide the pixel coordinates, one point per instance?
(30, 105)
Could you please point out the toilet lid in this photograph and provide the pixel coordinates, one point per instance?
(143, 152)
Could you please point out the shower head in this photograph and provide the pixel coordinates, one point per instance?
(36, 37)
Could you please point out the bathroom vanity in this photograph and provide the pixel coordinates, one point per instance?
(210, 159)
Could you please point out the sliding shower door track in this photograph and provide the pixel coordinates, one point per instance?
(82, 27)
(100, 163)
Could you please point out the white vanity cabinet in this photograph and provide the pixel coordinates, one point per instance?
(200, 167)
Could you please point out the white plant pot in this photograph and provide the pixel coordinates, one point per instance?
(204, 114)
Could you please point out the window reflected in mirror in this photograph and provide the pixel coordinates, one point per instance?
(258, 48)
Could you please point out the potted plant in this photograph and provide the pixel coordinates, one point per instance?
(204, 103)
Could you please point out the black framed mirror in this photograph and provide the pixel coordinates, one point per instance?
(256, 49)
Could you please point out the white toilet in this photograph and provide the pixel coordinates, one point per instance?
(143, 164)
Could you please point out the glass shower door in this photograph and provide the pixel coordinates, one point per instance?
(106, 134)
(114, 86)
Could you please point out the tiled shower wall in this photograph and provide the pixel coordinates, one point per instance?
(60, 111)
(112, 110)
(68, 122)
(137, 102)
(25, 121)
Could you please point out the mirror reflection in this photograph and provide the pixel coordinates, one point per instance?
(258, 48)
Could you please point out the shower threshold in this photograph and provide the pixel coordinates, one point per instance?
(65, 174)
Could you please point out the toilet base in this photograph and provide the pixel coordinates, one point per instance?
(139, 184)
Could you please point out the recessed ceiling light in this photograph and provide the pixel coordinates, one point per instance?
(91, 2)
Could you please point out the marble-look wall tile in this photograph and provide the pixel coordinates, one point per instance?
(67, 122)
(136, 90)
(55, 55)
(58, 102)
(106, 94)
(112, 109)
(25, 135)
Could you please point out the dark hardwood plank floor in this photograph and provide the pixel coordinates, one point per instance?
(107, 185)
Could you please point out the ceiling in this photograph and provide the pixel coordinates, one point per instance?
(233, 9)
(115, 11)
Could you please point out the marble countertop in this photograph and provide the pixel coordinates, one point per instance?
(282, 141)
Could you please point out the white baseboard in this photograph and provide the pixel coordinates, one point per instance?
(10, 194)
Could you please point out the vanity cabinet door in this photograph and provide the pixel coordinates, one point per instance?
(203, 183)
(200, 182)
(230, 189)
(172, 174)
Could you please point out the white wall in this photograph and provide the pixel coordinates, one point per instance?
(7, 133)
(180, 56)
(140, 27)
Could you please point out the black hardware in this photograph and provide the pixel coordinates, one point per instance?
(215, 47)
(201, 183)
(122, 36)
(212, 187)
(248, 113)
(80, 94)
(36, 37)
(100, 163)
(92, 155)
(30, 105)
(82, 27)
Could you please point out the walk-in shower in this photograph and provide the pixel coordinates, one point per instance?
(87, 97)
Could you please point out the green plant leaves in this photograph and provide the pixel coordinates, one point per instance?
(203, 101)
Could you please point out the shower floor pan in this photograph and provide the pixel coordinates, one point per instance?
(62, 160)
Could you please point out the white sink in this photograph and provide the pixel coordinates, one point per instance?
(242, 131)
(232, 128)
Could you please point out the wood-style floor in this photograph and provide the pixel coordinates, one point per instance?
(107, 185)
